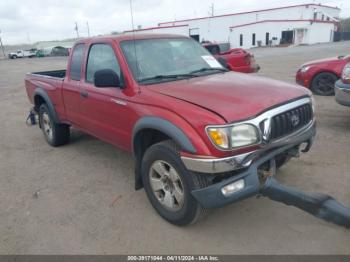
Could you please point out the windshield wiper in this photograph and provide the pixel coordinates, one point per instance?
(162, 77)
(204, 69)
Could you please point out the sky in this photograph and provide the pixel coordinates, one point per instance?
(26, 22)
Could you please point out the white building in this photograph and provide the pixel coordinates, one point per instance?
(298, 24)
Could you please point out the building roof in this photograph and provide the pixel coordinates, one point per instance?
(281, 21)
(129, 36)
(248, 12)
(156, 27)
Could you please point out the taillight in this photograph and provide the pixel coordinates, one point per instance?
(346, 74)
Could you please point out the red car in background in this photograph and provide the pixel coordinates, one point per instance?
(320, 75)
(235, 59)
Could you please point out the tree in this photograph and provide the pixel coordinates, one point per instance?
(345, 24)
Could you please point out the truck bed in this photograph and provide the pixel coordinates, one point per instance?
(50, 82)
(54, 73)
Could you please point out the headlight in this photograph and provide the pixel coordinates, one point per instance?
(346, 74)
(304, 69)
(243, 135)
(234, 136)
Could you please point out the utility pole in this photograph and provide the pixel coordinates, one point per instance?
(212, 9)
(28, 38)
(88, 28)
(76, 29)
(2, 47)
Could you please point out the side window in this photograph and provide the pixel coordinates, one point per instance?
(101, 56)
(75, 64)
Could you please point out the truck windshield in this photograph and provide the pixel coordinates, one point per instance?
(160, 60)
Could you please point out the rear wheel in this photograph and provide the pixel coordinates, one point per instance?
(323, 84)
(168, 184)
(54, 133)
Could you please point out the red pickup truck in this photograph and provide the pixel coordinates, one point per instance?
(202, 136)
(235, 59)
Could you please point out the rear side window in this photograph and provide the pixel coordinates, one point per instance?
(101, 56)
(76, 63)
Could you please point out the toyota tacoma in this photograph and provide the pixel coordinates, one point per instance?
(202, 136)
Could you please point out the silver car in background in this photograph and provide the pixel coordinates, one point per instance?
(342, 87)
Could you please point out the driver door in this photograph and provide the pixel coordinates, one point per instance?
(105, 111)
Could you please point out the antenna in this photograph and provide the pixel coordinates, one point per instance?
(2, 47)
(88, 28)
(28, 38)
(76, 29)
(133, 34)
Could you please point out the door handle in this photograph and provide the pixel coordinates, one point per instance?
(84, 94)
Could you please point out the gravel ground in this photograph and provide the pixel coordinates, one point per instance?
(79, 198)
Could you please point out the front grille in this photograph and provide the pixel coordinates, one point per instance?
(290, 121)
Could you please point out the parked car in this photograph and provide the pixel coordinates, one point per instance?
(236, 59)
(40, 53)
(342, 87)
(321, 75)
(202, 137)
(22, 53)
(60, 51)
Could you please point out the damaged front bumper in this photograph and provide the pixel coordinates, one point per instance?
(213, 196)
(248, 182)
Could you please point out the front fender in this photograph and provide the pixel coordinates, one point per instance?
(166, 127)
(163, 126)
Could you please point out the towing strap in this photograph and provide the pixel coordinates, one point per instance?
(319, 205)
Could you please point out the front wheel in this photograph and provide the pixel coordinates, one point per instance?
(323, 84)
(168, 184)
(54, 133)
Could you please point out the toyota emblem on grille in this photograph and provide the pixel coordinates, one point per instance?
(295, 120)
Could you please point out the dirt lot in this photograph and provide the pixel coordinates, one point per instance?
(80, 198)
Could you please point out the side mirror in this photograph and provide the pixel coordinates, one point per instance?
(106, 78)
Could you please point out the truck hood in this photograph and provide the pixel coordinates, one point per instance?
(233, 96)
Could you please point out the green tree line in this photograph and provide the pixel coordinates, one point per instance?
(345, 24)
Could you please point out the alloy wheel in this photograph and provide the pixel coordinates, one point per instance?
(166, 185)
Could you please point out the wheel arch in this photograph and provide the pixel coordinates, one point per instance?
(40, 96)
(150, 130)
(319, 72)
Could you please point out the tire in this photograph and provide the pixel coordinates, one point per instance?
(165, 196)
(14, 57)
(323, 84)
(54, 133)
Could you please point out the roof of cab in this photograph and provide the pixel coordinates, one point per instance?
(129, 36)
